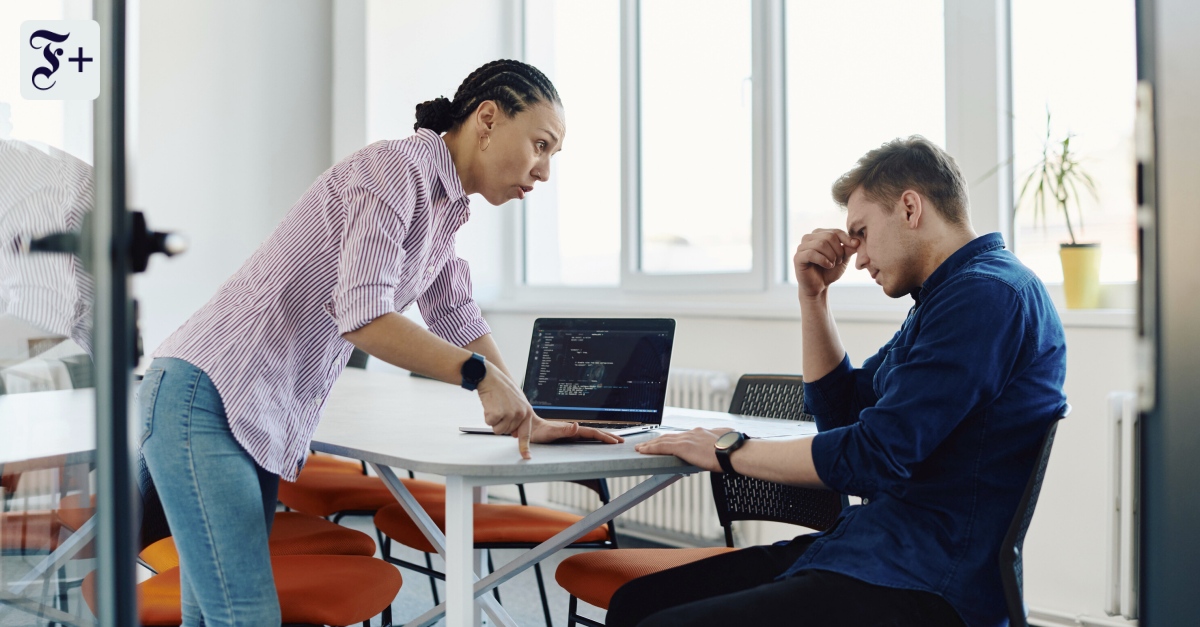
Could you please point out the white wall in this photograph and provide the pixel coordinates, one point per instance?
(233, 126)
(417, 51)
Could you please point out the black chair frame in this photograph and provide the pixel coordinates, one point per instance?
(1010, 558)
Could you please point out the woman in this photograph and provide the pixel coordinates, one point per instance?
(233, 397)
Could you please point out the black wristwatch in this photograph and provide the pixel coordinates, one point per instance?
(473, 371)
(726, 445)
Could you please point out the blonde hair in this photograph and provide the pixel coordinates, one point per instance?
(909, 163)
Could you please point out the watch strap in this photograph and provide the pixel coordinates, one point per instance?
(725, 455)
(723, 458)
(473, 370)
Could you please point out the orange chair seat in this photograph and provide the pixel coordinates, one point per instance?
(325, 493)
(27, 532)
(494, 524)
(331, 463)
(312, 589)
(9, 482)
(595, 576)
(292, 533)
(41, 531)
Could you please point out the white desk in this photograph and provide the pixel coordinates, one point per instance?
(47, 430)
(398, 421)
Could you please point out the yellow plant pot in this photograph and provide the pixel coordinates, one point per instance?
(1081, 275)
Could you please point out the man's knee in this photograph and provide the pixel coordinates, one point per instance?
(628, 605)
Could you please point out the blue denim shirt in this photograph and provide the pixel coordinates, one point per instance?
(939, 431)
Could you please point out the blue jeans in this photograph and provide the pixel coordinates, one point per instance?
(218, 502)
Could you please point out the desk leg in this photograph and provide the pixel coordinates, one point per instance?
(478, 495)
(562, 539)
(60, 556)
(499, 616)
(460, 545)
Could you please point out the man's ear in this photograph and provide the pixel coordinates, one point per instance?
(485, 116)
(914, 207)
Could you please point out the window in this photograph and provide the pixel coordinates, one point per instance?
(852, 86)
(704, 136)
(1086, 78)
(573, 222)
(695, 130)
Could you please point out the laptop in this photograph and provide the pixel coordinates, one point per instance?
(607, 373)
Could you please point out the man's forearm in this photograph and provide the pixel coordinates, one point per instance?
(404, 343)
(782, 461)
(823, 349)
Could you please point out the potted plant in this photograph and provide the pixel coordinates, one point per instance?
(1057, 179)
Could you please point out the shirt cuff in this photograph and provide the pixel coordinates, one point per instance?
(461, 326)
(355, 315)
(829, 462)
(819, 394)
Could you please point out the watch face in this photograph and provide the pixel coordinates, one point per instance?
(474, 369)
(728, 439)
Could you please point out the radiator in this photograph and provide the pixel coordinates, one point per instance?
(683, 512)
(1123, 498)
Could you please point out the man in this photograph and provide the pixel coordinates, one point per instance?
(938, 431)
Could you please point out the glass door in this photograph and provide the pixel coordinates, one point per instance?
(49, 475)
(68, 340)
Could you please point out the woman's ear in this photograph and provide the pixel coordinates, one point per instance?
(485, 116)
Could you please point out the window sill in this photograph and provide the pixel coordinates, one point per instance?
(851, 305)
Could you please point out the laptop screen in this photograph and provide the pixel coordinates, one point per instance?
(599, 369)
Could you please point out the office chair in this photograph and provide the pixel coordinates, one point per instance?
(313, 590)
(496, 527)
(292, 533)
(1011, 563)
(594, 577)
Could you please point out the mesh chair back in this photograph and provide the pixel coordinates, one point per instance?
(744, 498)
(1011, 564)
(770, 396)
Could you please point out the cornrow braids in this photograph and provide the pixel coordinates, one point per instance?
(514, 86)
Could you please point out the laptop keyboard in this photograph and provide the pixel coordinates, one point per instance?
(607, 425)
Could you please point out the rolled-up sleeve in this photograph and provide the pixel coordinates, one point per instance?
(449, 308)
(836, 399)
(380, 197)
(960, 361)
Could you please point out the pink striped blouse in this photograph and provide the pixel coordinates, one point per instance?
(44, 190)
(373, 234)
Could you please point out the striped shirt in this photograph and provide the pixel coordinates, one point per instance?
(44, 190)
(372, 235)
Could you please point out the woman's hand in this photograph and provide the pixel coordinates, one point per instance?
(556, 430)
(696, 447)
(505, 407)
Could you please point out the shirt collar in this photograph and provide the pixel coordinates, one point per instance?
(961, 257)
(443, 164)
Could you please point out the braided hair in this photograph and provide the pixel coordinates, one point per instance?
(512, 85)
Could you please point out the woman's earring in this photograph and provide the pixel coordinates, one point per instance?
(489, 142)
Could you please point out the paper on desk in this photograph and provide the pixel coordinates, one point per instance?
(753, 427)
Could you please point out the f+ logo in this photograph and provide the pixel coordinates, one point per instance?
(44, 44)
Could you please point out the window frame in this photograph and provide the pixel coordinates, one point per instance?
(978, 92)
